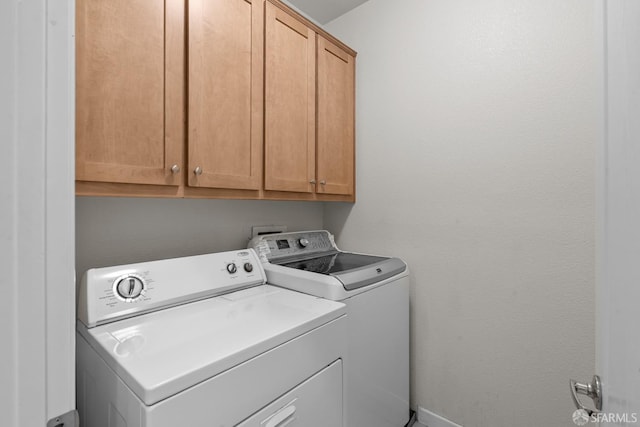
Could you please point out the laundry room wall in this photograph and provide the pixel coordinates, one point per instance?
(112, 231)
(476, 130)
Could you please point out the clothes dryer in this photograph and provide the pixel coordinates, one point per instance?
(203, 342)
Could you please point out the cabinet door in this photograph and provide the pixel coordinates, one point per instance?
(289, 103)
(129, 85)
(225, 93)
(336, 100)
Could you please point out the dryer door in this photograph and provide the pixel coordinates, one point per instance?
(317, 402)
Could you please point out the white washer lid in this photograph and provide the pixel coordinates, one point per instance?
(162, 353)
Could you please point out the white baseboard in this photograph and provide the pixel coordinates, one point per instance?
(431, 419)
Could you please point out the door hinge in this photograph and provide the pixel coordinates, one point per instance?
(70, 419)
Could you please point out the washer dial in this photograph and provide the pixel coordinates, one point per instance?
(303, 242)
(129, 287)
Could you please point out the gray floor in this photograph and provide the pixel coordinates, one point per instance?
(415, 422)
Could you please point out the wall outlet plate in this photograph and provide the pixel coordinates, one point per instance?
(259, 230)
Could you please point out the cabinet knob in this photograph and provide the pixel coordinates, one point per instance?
(313, 181)
(175, 169)
(323, 182)
(198, 170)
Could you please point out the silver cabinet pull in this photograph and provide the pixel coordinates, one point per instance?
(198, 170)
(313, 181)
(323, 182)
(280, 417)
(175, 169)
(592, 390)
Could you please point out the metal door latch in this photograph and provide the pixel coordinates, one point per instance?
(592, 390)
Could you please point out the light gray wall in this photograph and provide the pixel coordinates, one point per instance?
(112, 231)
(476, 128)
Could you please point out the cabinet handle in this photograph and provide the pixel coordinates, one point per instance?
(198, 170)
(313, 181)
(279, 418)
(175, 169)
(323, 182)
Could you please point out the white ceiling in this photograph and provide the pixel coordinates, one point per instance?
(323, 11)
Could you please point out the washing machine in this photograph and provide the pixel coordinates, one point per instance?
(375, 290)
(202, 341)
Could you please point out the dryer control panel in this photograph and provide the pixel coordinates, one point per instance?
(113, 293)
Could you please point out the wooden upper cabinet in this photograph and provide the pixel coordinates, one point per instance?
(225, 86)
(336, 139)
(290, 65)
(211, 98)
(129, 85)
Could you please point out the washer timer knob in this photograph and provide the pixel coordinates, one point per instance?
(232, 268)
(248, 267)
(303, 242)
(130, 287)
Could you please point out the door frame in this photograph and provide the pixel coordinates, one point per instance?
(38, 216)
(616, 150)
(600, 184)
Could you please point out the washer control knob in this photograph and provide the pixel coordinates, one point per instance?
(130, 287)
(303, 242)
(232, 268)
(248, 267)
